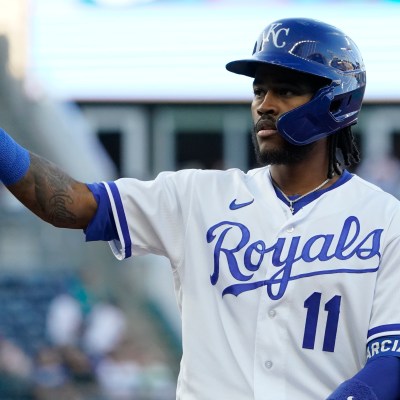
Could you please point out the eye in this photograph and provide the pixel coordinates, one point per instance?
(286, 92)
(258, 92)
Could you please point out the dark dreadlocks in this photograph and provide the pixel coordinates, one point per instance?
(342, 140)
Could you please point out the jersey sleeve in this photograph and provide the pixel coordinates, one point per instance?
(385, 316)
(150, 216)
(102, 225)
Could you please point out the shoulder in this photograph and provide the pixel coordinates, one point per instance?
(185, 178)
(371, 198)
(231, 174)
(356, 195)
(371, 189)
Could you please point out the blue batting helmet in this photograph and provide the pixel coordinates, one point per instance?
(319, 49)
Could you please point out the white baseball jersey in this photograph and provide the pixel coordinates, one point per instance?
(274, 306)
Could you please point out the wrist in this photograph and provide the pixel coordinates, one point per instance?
(14, 159)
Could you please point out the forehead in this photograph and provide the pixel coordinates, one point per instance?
(273, 74)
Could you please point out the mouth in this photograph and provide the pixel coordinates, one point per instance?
(264, 133)
(265, 128)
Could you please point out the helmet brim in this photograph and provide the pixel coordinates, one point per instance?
(248, 67)
(243, 67)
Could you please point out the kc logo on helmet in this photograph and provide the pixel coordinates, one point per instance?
(274, 32)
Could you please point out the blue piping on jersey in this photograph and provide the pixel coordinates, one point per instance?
(383, 328)
(121, 218)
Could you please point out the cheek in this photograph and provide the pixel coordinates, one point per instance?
(254, 113)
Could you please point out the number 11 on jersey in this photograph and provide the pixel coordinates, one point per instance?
(332, 307)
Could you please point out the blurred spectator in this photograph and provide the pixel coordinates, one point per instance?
(106, 327)
(80, 371)
(64, 321)
(119, 374)
(13, 360)
(132, 373)
(50, 378)
(383, 171)
(83, 348)
(158, 380)
(15, 372)
(77, 364)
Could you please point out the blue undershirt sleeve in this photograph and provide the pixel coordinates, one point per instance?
(102, 226)
(378, 380)
(382, 375)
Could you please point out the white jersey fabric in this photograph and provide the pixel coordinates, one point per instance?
(274, 306)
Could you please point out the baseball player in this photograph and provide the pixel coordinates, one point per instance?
(287, 276)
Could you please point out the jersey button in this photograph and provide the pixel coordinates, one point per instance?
(268, 364)
(272, 313)
(290, 229)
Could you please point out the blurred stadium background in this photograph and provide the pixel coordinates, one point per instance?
(110, 88)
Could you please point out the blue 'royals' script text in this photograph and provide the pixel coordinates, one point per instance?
(285, 252)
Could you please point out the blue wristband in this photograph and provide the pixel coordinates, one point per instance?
(14, 159)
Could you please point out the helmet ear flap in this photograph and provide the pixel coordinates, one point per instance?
(323, 115)
(346, 105)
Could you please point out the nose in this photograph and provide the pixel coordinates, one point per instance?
(268, 105)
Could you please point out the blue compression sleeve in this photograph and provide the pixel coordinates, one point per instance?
(382, 374)
(353, 389)
(102, 226)
(14, 159)
(378, 380)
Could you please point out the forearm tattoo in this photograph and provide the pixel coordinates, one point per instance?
(53, 192)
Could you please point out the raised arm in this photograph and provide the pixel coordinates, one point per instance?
(44, 188)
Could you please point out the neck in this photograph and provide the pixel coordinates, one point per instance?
(301, 178)
(304, 176)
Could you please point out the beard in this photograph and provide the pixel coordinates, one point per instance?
(287, 154)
